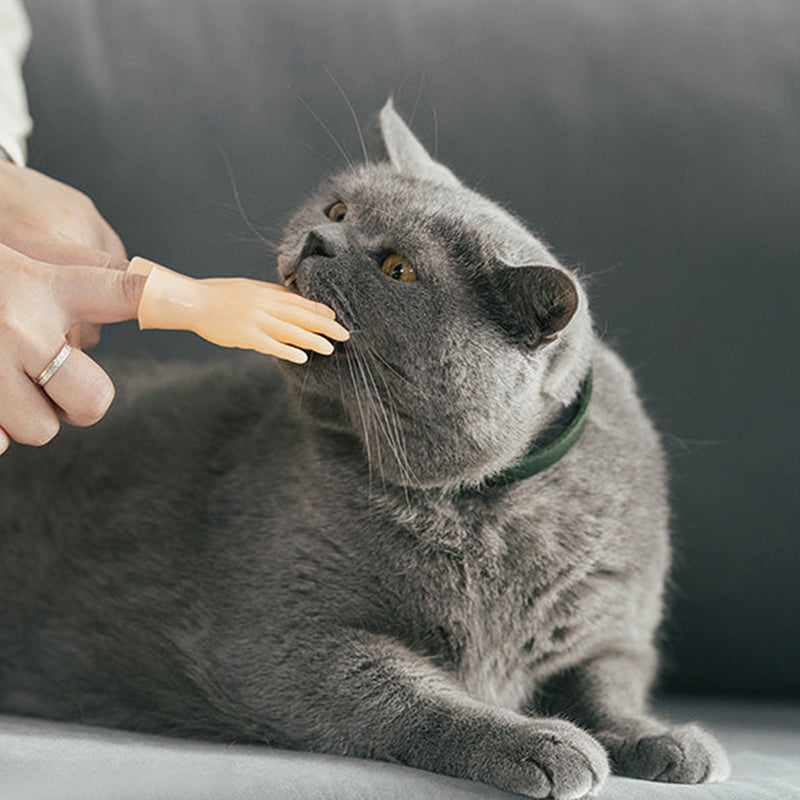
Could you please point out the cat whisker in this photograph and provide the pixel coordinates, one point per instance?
(388, 420)
(363, 418)
(316, 152)
(270, 245)
(397, 443)
(399, 435)
(418, 97)
(388, 426)
(373, 418)
(435, 133)
(237, 199)
(345, 155)
(352, 113)
(394, 370)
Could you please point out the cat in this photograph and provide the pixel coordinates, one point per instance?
(445, 545)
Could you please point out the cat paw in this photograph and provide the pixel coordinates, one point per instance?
(550, 758)
(681, 754)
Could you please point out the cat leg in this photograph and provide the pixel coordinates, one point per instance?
(367, 695)
(608, 696)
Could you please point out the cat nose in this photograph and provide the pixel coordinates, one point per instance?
(317, 244)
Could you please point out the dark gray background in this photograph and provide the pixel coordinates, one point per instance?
(653, 144)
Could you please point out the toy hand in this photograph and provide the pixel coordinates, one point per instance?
(236, 312)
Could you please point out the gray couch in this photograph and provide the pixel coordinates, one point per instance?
(652, 143)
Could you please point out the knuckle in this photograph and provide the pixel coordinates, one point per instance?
(103, 260)
(11, 324)
(16, 331)
(81, 198)
(132, 286)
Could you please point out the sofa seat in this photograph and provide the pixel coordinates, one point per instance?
(41, 760)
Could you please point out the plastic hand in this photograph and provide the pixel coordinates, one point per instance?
(39, 304)
(56, 224)
(236, 312)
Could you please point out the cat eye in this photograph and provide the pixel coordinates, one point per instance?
(337, 212)
(399, 268)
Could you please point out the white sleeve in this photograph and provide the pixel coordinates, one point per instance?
(15, 122)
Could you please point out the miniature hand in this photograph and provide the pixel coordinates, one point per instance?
(56, 224)
(236, 312)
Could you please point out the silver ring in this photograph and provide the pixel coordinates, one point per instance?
(54, 365)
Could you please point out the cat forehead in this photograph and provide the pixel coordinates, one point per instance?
(454, 216)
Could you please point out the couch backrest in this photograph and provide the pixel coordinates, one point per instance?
(652, 143)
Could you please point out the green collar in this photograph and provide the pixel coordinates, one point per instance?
(540, 459)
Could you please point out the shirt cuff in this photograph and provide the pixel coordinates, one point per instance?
(12, 151)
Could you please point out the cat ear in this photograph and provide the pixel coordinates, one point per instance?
(403, 150)
(532, 304)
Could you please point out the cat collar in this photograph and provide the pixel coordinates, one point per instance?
(541, 458)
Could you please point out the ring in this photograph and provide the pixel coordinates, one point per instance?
(54, 365)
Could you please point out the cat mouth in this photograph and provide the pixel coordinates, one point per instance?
(287, 272)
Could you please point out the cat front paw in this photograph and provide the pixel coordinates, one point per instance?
(680, 754)
(549, 758)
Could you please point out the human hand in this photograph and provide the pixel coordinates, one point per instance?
(237, 312)
(54, 223)
(40, 303)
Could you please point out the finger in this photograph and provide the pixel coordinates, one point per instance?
(87, 294)
(26, 415)
(54, 250)
(81, 389)
(4, 441)
(291, 334)
(262, 343)
(313, 322)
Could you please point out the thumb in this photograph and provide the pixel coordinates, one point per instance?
(91, 294)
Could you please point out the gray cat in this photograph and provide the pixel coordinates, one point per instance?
(445, 545)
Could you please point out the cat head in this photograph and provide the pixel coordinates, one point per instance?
(467, 336)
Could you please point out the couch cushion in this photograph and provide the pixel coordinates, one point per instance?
(42, 760)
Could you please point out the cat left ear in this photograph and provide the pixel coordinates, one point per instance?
(532, 303)
(403, 150)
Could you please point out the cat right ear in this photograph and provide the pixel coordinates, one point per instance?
(532, 304)
(393, 141)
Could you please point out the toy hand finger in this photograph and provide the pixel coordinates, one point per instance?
(291, 334)
(264, 291)
(313, 322)
(262, 343)
(290, 297)
(81, 389)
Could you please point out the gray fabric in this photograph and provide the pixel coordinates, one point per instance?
(50, 761)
